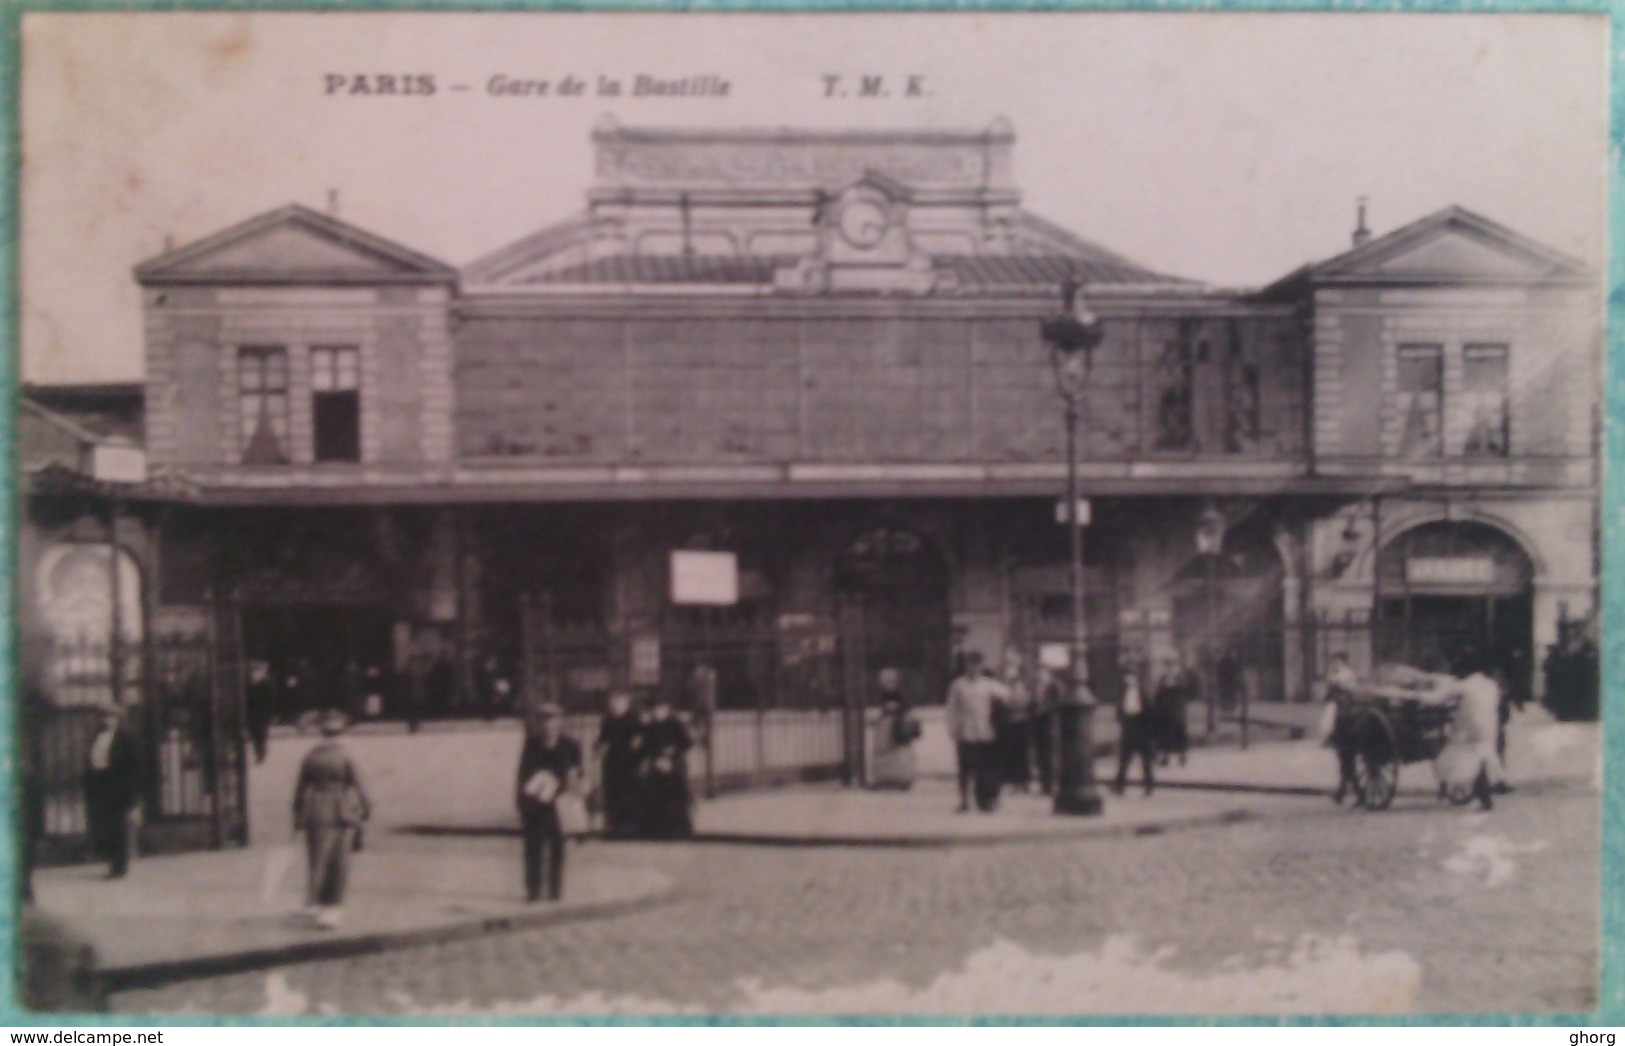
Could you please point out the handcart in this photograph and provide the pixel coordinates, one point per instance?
(1390, 726)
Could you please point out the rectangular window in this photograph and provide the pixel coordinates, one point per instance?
(1241, 397)
(262, 393)
(1175, 378)
(335, 406)
(1484, 398)
(1421, 400)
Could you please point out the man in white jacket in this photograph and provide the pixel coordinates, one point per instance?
(971, 702)
(1478, 719)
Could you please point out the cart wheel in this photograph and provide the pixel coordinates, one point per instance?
(1376, 761)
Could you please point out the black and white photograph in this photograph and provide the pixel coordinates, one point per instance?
(886, 515)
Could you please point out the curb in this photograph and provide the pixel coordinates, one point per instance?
(156, 974)
(1085, 830)
(1535, 785)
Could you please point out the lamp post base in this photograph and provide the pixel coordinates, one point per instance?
(1084, 804)
(1077, 794)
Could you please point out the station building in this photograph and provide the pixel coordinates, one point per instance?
(820, 351)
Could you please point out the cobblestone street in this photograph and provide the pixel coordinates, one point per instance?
(1315, 909)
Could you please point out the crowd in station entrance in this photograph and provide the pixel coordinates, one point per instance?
(297, 691)
(1006, 731)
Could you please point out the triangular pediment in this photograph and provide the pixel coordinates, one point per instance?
(1450, 246)
(1456, 254)
(294, 245)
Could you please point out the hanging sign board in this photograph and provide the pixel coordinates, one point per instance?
(704, 579)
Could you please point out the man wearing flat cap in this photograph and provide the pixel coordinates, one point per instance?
(549, 766)
(112, 788)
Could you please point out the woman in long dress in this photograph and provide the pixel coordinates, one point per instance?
(329, 805)
(619, 734)
(895, 733)
(663, 750)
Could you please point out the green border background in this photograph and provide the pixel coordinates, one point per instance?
(1610, 1011)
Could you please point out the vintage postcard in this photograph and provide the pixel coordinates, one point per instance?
(927, 514)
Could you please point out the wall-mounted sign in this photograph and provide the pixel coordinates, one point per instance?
(1054, 656)
(1083, 512)
(704, 578)
(1450, 570)
(118, 463)
(645, 667)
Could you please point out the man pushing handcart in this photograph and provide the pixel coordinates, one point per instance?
(1407, 716)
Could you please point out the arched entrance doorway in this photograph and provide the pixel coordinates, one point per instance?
(893, 586)
(1452, 589)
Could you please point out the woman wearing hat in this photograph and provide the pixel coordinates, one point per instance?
(895, 734)
(667, 801)
(330, 805)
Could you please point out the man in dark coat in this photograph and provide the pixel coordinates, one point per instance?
(619, 733)
(112, 786)
(259, 701)
(1052, 688)
(1137, 725)
(549, 766)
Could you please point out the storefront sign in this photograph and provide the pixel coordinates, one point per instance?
(1450, 570)
(705, 579)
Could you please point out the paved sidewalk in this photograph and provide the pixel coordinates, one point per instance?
(203, 914)
(926, 815)
(1540, 751)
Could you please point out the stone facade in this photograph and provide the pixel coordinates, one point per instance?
(821, 351)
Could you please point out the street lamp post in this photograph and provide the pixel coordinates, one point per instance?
(1071, 335)
(1210, 545)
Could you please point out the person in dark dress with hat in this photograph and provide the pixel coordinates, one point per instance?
(667, 800)
(549, 767)
(619, 736)
(329, 806)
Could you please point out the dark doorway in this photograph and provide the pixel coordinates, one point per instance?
(1453, 591)
(321, 655)
(894, 584)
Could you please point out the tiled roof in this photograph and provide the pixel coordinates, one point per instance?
(971, 271)
(1046, 270)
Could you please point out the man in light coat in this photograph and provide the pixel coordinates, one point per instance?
(972, 701)
(1478, 718)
